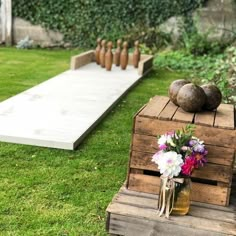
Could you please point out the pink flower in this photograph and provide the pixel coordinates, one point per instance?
(188, 165)
(162, 146)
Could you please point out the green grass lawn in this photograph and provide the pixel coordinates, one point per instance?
(56, 192)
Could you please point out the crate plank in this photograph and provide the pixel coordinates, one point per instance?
(150, 201)
(144, 183)
(132, 213)
(168, 112)
(212, 172)
(211, 135)
(183, 116)
(128, 226)
(205, 118)
(148, 144)
(200, 192)
(225, 117)
(144, 143)
(154, 107)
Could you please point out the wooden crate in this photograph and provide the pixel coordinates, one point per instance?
(135, 213)
(211, 184)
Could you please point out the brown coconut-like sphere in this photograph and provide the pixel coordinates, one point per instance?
(191, 98)
(174, 89)
(213, 97)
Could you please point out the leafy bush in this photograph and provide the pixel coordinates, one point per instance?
(82, 21)
(225, 75)
(199, 44)
(219, 69)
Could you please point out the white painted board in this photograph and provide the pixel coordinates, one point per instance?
(61, 111)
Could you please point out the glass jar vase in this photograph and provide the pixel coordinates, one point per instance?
(182, 197)
(174, 196)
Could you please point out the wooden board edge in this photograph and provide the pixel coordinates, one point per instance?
(82, 59)
(147, 218)
(145, 65)
(150, 184)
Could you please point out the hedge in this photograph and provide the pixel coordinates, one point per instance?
(82, 21)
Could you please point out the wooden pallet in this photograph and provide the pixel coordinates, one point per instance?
(134, 213)
(211, 184)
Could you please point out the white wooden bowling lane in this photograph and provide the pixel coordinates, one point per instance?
(61, 111)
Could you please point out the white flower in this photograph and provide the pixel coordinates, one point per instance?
(166, 138)
(162, 140)
(169, 163)
(156, 156)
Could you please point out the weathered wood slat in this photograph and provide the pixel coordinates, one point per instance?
(211, 135)
(183, 116)
(145, 64)
(127, 226)
(197, 210)
(168, 111)
(225, 117)
(132, 213)
(147, 146)
(205, 118)
(212, 172)
(154, 107)
(82, 59)
(200, 192)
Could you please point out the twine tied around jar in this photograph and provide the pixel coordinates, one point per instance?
(167, 195)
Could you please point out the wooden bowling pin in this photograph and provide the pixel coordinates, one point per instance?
(136, 54)
(124, 56)
(97, 50)
(102, 54)
(109, 57)
(117, 53)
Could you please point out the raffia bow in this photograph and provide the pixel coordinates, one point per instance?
(167, 195)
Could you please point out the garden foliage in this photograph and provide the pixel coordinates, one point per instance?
(82, 21)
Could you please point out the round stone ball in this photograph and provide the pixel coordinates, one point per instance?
(174, 89)
(191, 98)
(213, 97)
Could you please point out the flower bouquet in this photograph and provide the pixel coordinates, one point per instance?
(178, 155)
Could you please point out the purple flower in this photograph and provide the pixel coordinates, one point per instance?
(192, 142)
(200, 159)
(199, 148)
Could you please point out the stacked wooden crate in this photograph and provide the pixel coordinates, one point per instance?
(134, 213)
(211, 184)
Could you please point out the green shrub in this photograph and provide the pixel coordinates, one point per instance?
(219, 69)
(82, 21)
(199, 44)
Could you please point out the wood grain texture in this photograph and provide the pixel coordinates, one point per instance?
(133, 213)
(145, 64)
(82, 59)
(183, 116)
(205, 118)
(141, 155)
(133, 198)
(212, 172)
(200, 192)
(211, 135)
(168, 112)
(154, 107)
(225, 117)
